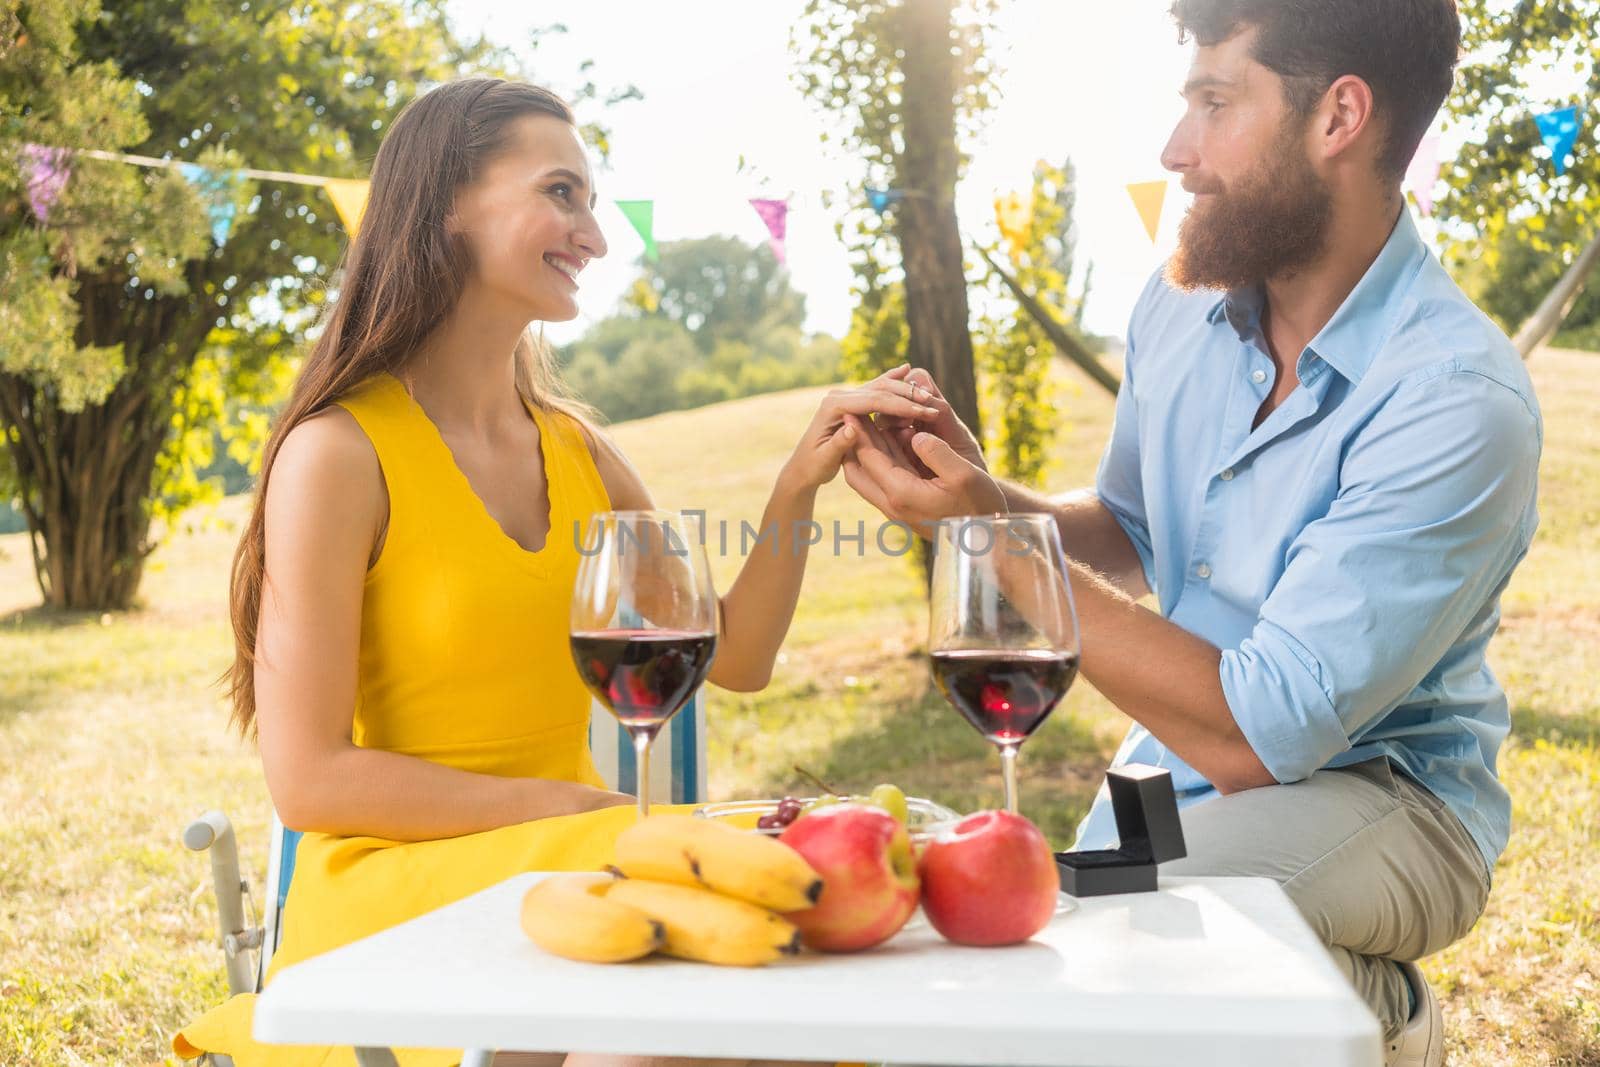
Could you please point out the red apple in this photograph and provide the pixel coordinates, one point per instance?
(990, 880)
(869, 876)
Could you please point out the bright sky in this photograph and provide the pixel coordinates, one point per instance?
(1097, 81)
(1094, 81)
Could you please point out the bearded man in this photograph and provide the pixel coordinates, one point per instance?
(1323, 465)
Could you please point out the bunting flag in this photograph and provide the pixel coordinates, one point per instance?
(1423, 173)
(45, 173)
(1148, 198)
(642, 213)
(349, 196)
(46, 170)
(1559, 131)
(1013, 213)
(216, 191)
(882, 200)
(775, 213)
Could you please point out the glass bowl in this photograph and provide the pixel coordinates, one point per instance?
(924, 818)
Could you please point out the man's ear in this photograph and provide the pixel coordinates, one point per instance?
(1344, 119)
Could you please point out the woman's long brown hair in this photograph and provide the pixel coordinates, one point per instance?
(401, 277)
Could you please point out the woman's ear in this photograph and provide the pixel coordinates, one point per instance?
(458, 220)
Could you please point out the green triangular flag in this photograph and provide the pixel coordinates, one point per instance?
(642, 214)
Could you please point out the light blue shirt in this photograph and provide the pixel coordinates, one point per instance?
(1347, 555)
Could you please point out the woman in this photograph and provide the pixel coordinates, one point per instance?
(400, 597)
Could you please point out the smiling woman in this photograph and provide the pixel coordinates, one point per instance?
(534, 205)
(400, 598)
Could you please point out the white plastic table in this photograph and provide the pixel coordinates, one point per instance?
(1205, 971)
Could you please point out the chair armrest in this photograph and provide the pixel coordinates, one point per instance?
(213, 833)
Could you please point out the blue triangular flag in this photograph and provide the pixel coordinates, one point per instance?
(1559, 131)
(216, 191)
(881, 199)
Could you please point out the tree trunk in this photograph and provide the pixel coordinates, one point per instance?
(87, 476)
(930, 239)
(85, 502)
(1547, 318)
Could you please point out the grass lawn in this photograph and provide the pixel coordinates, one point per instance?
(112, 737)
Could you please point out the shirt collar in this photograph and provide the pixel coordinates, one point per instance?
(1241, 307)
(1349, 340)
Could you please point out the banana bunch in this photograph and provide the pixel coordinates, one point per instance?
(572, 915)
(706, 854)
(709, 927)
(685, 887)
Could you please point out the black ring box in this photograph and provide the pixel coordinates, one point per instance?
(1150, 832)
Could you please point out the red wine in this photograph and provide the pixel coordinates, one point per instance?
(1005, 694)
(643, 676)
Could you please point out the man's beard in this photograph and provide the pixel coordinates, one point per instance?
(1274, 223)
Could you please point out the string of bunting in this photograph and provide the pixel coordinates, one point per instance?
(46, 171)
(1558, 131)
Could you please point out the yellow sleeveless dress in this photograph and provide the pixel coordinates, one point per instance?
(464, 660)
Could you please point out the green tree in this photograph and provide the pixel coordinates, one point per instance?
(877, 336)
(629, 367)
(1510, 275)
(1014, 352)
(1511, 224)
(719, 289)
(125, 327)
(713, 319)
(127, 337)
(905, 80)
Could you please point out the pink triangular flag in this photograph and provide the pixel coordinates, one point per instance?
(1423, 173)
(45, 174)
(775, 213)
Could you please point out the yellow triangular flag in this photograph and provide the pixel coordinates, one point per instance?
(1013, 212)
(1148, 198)
(349, 196)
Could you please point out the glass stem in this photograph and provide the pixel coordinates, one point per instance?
(1008, 768)
(641, 763)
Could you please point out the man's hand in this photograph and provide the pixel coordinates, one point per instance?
(829, 438)
(945, 425)
(921, 481)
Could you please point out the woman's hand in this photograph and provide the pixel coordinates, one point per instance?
(830, 437)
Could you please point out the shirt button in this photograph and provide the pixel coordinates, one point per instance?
(1258, 376)
(1227, 475)
(1203, 571)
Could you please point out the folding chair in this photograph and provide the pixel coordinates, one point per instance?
(679, 777)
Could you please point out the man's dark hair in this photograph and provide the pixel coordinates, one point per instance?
(1405, 50)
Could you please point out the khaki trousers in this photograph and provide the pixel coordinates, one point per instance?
(1378, 866)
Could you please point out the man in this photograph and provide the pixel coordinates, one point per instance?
(1323, 464)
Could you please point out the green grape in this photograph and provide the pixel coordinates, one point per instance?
(823, 801)
(892, 799)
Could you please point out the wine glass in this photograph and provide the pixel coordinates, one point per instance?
(644, 621)
(1003, 634)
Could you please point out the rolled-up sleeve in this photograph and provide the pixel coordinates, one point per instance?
(1434, 510)
(1119, 482)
